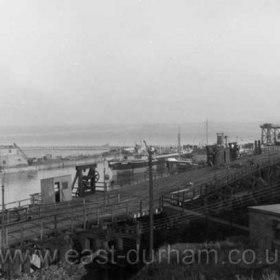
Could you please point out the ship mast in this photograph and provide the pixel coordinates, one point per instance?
(207, 132)
(179, 142)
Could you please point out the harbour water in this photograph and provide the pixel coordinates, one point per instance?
(21, 185)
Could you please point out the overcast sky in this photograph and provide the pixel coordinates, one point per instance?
(142, 61)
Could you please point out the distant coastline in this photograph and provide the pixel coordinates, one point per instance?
(128, 134)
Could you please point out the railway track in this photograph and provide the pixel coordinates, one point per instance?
(37, 221)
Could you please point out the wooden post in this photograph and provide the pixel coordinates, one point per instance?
(119, 198)
(126, 209)
(159, 202)
(8, 217)
(112, 212)
(41, 230)
(151, 204)
(85, 218)
(21, 236)
(55, 222)
(138, 236)
(26, 214)
(3, 218)
(72, 220)
(140, 208)
(7, 236)
(97, 216)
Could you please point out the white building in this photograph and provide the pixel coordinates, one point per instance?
(11, 156)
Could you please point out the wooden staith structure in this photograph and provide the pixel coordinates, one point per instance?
(34, 222)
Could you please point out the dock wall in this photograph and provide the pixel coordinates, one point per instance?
(50, 165)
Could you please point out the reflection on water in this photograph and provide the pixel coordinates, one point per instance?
(20, 185)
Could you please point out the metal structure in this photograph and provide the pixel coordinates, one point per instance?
(227, 201)
(220, 138)
(218, 155)
(87, 176)
(23, 153)
(234, 150)
(270, 134)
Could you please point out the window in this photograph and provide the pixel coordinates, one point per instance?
(64, 185)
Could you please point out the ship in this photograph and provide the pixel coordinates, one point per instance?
(132, 166)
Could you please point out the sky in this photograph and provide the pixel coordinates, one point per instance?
(138, 61)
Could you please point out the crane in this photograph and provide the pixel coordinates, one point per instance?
(23, 153)
(149, 149)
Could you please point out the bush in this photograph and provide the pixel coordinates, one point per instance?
(61, 271)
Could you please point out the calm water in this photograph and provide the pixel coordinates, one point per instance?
(39, 152)
(20, 185)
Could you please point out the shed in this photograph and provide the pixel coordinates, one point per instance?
(264, 224)
(56, 189)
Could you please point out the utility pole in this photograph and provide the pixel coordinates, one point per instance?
(151, 189)
(3, 243)
(151, 199)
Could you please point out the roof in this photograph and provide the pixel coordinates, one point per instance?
(267, 209)
(270, 125)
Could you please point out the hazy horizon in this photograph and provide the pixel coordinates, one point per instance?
(157, 133)
(139, 61)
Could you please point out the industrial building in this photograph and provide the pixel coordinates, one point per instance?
(264, 226)
(222, 152)
(12, 156)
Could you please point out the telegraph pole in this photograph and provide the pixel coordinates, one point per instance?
(151, 208)
(3, 215)
(151, 197)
